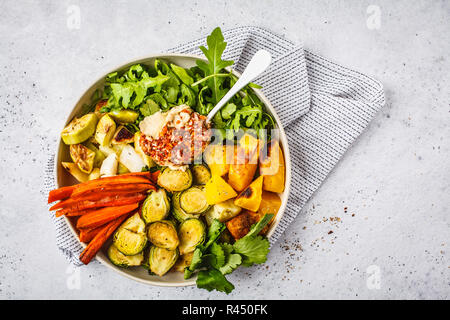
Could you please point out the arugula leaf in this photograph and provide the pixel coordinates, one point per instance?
(228, 110)
(252, 247)
(182, 74)
(213, 279)
(149, 108)
(216, 46)
(129, 91)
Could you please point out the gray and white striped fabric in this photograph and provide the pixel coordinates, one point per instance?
(323, 106)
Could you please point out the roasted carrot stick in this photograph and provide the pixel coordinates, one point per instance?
(61, 193)
(105, 202)
(95, 196)
(154, 176)
(131, 187)
(133, 177)
(104, 215)
(100, 238)
(87, 235)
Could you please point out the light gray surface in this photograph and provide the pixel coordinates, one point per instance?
(395, 179)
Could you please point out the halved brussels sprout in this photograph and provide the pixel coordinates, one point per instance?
(193, 200)
(130, 238)
(175, 180)
(191, 233)
(79, 129)
(121, 260)
(156, 206)
(83, 157)
(124, 116)
(183, 262)
(179, 213)
(222, 211)
(160, 260)
(163, 234)
(106, 128)
(200, 174)
(122, 135)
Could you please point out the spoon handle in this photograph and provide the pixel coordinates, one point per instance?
(257, 65)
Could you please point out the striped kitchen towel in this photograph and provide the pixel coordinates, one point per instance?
(323, 106)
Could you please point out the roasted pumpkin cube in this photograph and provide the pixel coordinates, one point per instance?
(272, 167)
(250, 197)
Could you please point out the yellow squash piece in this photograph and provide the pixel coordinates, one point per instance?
(272, 167)
(217, 190)
(216, 158)
(73, 169)
(270, 204)
(250, 198)
(79, 129)
(83, 157)
(106, 128)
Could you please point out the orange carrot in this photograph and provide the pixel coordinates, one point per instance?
(100, 238)
(131, 187)
(59, 194)
(105, 202)
(87, 235)
(154, 176)
(96, 196)
(104, 215)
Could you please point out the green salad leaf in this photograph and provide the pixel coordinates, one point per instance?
(214, 259)
(215, 64)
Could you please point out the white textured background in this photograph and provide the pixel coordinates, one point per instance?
(391, 191)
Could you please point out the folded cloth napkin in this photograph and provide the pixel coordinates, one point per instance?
(323, 107)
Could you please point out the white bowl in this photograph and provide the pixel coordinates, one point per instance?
(171, 279)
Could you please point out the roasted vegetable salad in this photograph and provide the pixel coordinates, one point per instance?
(203, 212)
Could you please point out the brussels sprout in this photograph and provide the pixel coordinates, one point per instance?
(222, 211)
(130, 238)
(200, 174)
(106, 128)
(160, 260)
(175, 180)
(191, 233)
(121, 260)
(179, 213)
(83, 157)
(156, 206)
(163, 234)
(183, 262)
(193, 200)
(122, 135)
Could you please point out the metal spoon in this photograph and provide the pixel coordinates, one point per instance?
(257, 65)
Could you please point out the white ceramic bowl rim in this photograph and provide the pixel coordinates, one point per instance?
(283, 140)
